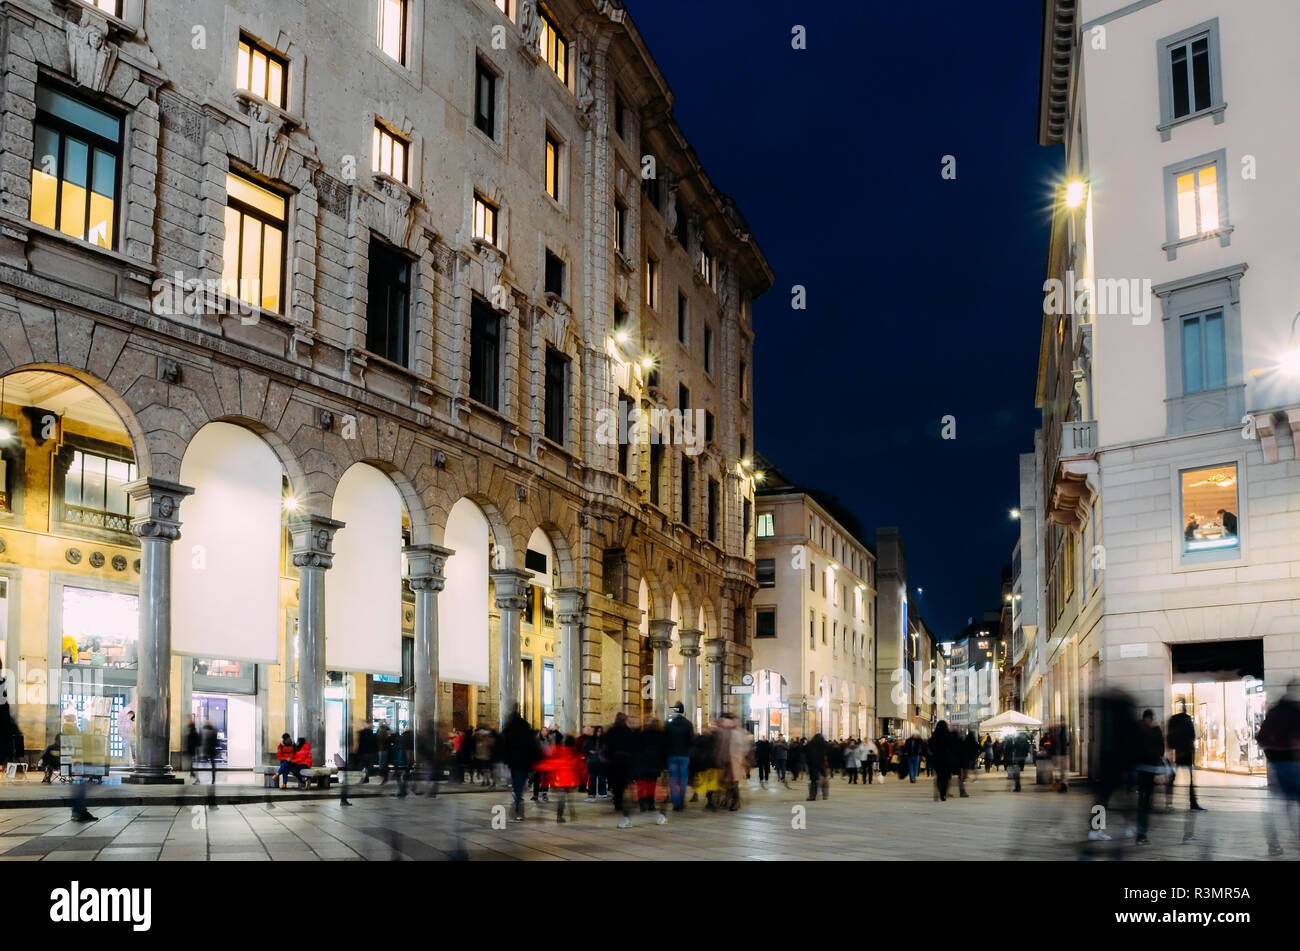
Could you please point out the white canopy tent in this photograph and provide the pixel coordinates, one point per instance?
(1010, 720)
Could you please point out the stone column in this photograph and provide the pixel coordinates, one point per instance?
(155, 507)
(424, 571)
(512, 587)
(568, 609)
(688, 642)
(661, 638)
(313, 553)
(715, 652)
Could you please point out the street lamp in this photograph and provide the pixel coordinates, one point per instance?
(1289, 364)
(1015, 513)
(1075, 193)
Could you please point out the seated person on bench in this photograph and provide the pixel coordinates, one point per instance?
(50, 761)
(284, 753)
(301, 761)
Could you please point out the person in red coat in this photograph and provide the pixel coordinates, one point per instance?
(562, 767)
(301, 760)
(284, 754)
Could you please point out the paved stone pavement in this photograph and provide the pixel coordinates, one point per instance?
(890, 821)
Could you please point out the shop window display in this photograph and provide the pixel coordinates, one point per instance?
(1210, 509)
(1227, 715)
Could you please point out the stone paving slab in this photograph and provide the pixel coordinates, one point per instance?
(880, 822)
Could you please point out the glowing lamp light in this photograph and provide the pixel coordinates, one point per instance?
(1015, 513)
(621, 336)
(1290, 362)
(1075, 192)
(5, 435)
(647, 363)
(290, 503)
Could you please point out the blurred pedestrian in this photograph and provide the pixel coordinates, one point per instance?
(211, 744)
(943, 750)
(815, 755)
(519, 752)
(593, 750)
(680, 736)
(651, 762)
(763, 759)
(367, 751)
(912, 749)
(1181, 737)
(1279, 738)
(868, 755)
(1151, 755)
(190, 748)
(620, 753)
(780, 757)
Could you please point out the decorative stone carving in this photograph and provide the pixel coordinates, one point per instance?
(332, 194)
(97, 559)
(559, 323)
(169, 371)
(268, 145)
(395, 214)
(91, 56)
(586, 79)
(313, 539)
(154, 507)
(119, 563)
(73, 555)
(3, 546)
(493, 266)
(530, 25)
(670, 201)
(180, 115)
(612, 9)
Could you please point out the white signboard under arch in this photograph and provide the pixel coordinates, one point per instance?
(363, 589)
(226, 565)
(463, 655)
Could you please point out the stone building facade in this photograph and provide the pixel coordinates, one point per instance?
(500, 243)
(1166, 500)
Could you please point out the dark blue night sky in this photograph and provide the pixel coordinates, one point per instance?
(924, 295)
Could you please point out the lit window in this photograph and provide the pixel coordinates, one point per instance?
(1204, 358)
(553, 46)
(1210, 507)
(253, 267)
(485, 220)
(260, 72)
(707, 266)
(1198, 201)
(74, 167)
(388, 153)
(766, 525)
(651, 282)
(111, 7)
(390, 36)
(503, 6)
(552, 166)
(93, 489)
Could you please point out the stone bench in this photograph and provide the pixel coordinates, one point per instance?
(318, 776)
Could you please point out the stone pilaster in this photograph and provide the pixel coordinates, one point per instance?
(661, 639)
(425, 572)
(313, 554)
(512, 588)
(568, 603)
(715, 652)
(688, 642)
(155, 510)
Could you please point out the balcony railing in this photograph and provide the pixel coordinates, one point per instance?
(96, 518)
(1078, 438)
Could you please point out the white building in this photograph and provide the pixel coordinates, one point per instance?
(814, 635)
(1168, 387)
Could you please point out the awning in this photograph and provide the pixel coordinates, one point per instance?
(1010, 719)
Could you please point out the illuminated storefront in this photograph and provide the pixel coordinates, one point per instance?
(1220, 685)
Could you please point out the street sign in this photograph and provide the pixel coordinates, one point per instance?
(746, 688)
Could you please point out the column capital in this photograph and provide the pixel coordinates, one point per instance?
(715, 649)
(661, 634)
(512, 585)
(313, 540)
(688, 642)
(568, 604)
(155, 508)
(425, 566)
